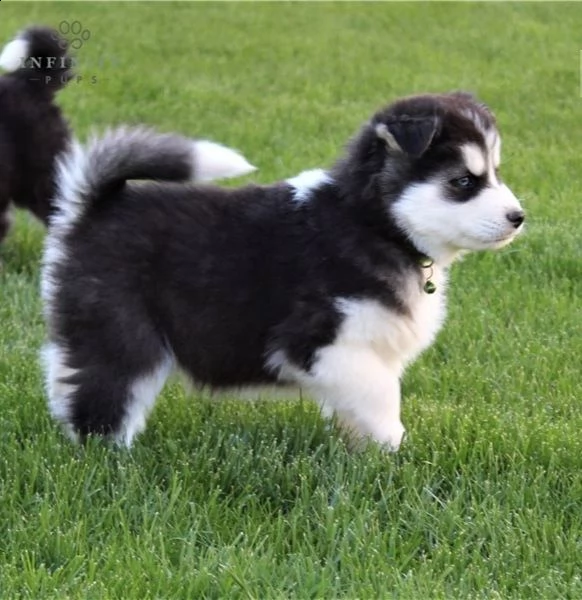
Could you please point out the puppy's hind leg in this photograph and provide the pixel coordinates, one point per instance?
(355, 385)
(108, 399)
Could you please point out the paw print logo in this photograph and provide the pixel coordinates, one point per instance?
(74, 31)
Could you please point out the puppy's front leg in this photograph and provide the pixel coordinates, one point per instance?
(362, 391)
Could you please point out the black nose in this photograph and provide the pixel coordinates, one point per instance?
(516, 217)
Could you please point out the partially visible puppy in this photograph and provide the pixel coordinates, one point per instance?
(33, 130)
(334, 280)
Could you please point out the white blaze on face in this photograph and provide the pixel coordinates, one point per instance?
(484, 161)
(494, 144)
(475, 159)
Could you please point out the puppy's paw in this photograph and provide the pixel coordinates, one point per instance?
(391, 436)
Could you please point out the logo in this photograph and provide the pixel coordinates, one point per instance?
(75, 31)
(69, 35)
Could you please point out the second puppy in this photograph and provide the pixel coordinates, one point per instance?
(33, 130)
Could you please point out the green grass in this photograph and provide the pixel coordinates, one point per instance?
(258, 500)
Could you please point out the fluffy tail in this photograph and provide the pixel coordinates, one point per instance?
(39, 55)
(85, 174)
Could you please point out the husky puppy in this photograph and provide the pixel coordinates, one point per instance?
(33, 130)
(334, 280)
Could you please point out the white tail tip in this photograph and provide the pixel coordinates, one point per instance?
(13, 54)
(213, 161)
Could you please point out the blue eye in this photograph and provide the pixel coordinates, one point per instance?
(464, 183)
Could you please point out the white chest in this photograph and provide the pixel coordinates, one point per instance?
(395, 336)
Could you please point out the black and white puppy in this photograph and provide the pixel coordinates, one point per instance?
(333, 280)
(33, 130)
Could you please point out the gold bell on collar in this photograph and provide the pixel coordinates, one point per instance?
(427, 263)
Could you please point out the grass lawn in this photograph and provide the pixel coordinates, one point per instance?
(231, 499)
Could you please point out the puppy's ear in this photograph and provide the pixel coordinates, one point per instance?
(408, 134)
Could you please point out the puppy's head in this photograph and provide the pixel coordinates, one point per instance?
(434, 160)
